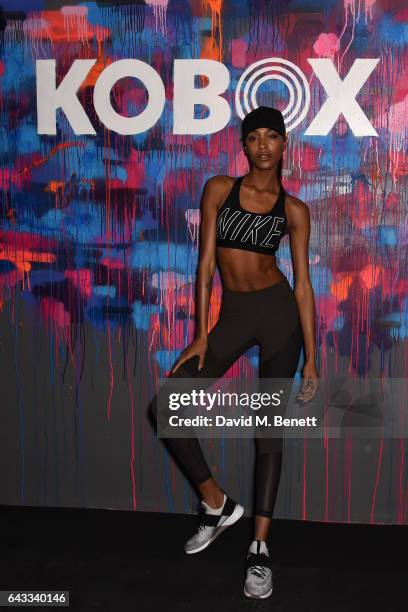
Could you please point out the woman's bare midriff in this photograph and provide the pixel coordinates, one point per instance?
(247, 270)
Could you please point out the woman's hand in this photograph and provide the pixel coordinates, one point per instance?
(310, 383)
(197, 347)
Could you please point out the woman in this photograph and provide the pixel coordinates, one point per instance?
(242, 223)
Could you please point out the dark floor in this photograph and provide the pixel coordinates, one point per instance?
(112, 560)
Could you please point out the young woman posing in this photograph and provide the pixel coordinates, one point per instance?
(242, 223)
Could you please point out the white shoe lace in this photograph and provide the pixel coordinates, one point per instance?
(258, 570)
(202, 527)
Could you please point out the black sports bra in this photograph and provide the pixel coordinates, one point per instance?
(239, 228)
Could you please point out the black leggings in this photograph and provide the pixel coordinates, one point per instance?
(270, 318)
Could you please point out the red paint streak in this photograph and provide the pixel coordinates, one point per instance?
(119, 285)
(345, 473)
(310, 163)
(377, 476)
(107, 163)
(392, 201)
(55, 186)
(22, 259)
(112, 263)
(112, 375)
(304, 492)
(101, 63)
(53, 310)
(358, 332)
(11, 278)
(400, 512)
(401, 15)
(327, 305)
(112, 379)
(154, 331)
(23, 240)
(37, 161)
(8, 177)
(81, 279)
(56, 353)
(348, 464)
(135, 173)
(401, 494)
(132, 461)
(70, 29)
(348, 265)
(327, 466)
(350, 366)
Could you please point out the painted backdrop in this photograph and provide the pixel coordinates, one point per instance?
(99, 236)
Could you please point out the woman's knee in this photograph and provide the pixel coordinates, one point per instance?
(153, 406)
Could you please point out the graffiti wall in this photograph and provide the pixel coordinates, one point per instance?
(113, 116)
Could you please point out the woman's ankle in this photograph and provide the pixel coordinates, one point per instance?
(214, 498)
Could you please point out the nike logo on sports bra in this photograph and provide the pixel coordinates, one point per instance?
(239, 228)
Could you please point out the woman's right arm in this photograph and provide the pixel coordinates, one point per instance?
(213, 194)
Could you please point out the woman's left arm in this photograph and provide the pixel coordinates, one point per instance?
(299, 230)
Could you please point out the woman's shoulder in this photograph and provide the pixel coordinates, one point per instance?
(219, 186)
(294, 202)
(220, 181)
(297, 211)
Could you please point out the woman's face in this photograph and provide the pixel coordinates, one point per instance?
(264, 147)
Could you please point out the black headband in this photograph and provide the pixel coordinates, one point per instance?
(265, 117)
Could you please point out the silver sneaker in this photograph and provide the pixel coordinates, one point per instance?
(212, 525)
(258, 583)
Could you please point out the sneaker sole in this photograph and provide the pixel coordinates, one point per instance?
(233, 518)
(268, 594)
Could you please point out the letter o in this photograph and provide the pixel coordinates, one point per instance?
(151, 80)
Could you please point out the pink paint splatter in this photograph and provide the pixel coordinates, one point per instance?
(327, 45)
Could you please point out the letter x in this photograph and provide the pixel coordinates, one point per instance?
(341, 97)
